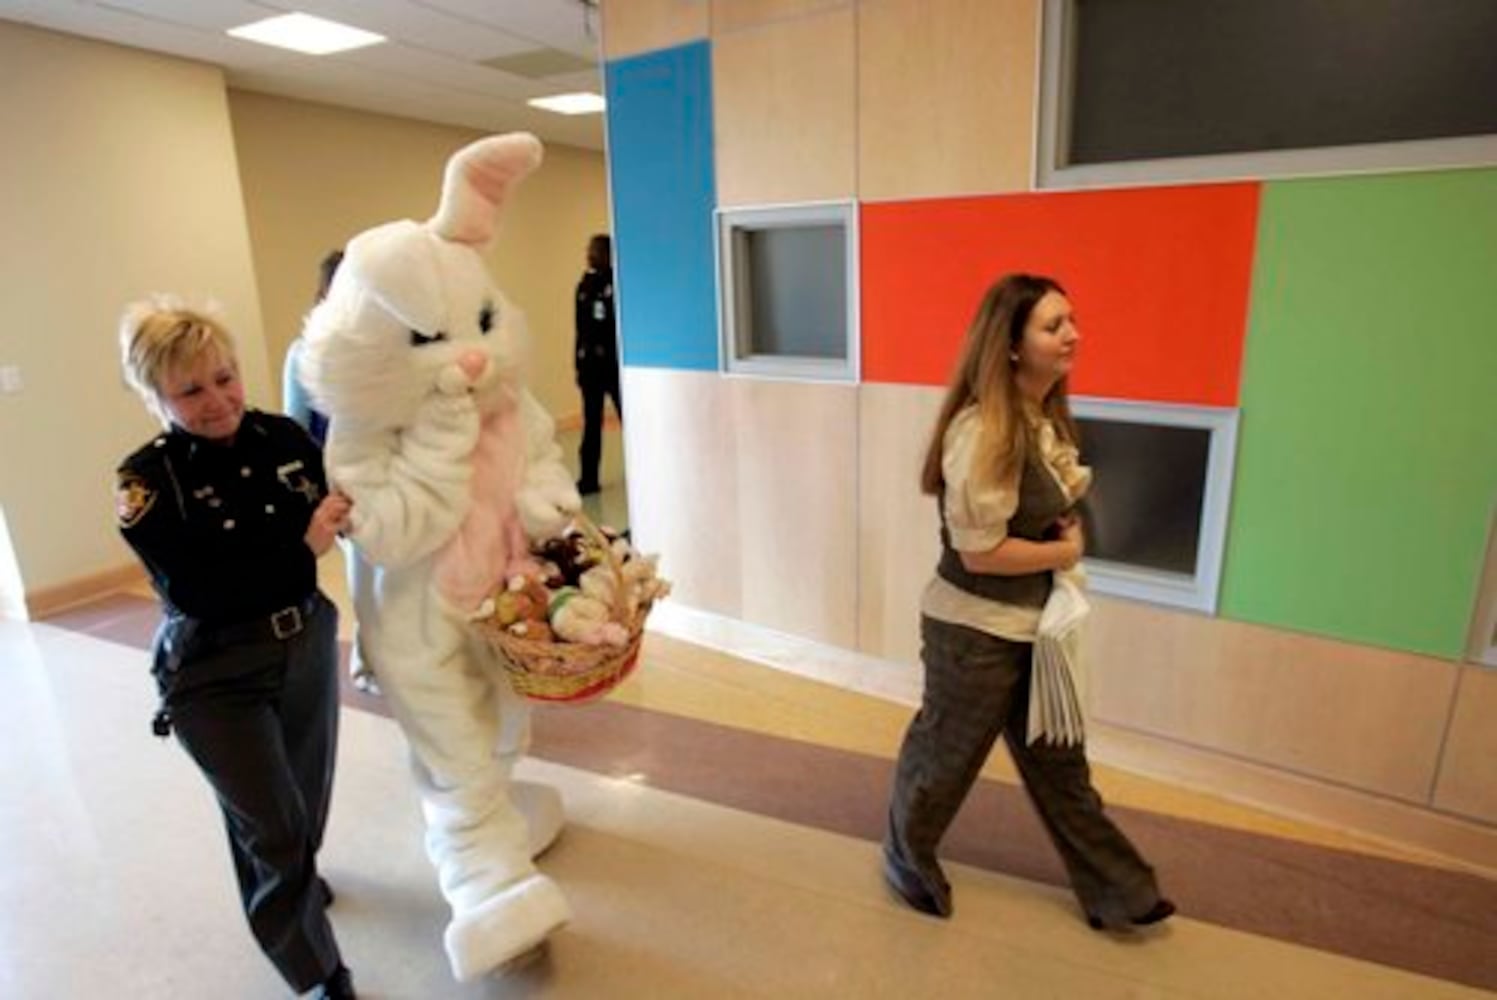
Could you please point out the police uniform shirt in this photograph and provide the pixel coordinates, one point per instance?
(596, 347)
(221, 527)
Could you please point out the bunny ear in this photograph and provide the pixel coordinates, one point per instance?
(479, 177)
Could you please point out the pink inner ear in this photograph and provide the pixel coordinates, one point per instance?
(476, 183)
(467, 215)
(490, 179)
(478, 205)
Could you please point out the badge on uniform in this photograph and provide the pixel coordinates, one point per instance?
(301, 483)
(133, 499)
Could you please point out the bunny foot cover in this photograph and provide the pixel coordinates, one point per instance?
(542, 809)
(504, 927)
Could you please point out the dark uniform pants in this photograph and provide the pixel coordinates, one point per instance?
(976, 686)
(595, 386)
(260, 718)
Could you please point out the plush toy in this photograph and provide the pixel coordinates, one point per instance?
(580, 617)
(572, 555)
(522, 608)
(417, 359)
(642, 584)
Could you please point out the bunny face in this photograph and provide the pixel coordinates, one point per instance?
(412, 311)
(408, 315)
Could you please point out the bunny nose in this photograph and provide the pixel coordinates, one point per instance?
(472, 363)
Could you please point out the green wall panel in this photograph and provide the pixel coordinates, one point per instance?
(1367, 456)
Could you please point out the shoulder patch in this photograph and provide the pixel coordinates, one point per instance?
(133, 498)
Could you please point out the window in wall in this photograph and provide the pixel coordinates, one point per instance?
(788, 291)
(1156, 515)
(1146, 91)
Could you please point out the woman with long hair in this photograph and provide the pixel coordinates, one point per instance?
(1004, 465)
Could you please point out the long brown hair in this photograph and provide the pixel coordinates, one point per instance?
(985, 377)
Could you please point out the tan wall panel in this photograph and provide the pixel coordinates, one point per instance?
(683, 482)
(1451, 839)
(898, 526)
(946, 96)
(783, 111)
(797, 497)
(732, 15)
(634, 26)
(118, 180)
(1468, 771)
(1369, 718)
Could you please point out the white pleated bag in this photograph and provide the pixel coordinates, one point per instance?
(1057, 686)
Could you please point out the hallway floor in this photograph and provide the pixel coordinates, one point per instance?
(722, 842)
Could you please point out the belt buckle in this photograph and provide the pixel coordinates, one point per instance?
(286, 622)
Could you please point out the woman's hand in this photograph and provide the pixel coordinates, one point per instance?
(328, 521)
(1073, 540)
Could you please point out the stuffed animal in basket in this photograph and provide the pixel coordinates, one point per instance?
(522, 608)
(416, 357)
(642, 584)
(579, 616)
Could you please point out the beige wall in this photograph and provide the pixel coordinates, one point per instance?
(634, 26)
(315, 175)
(784, 109)
(775, 550)
(118, 179)
(135, 173)
(946, 96)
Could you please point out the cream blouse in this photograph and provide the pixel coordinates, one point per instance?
(977, 516)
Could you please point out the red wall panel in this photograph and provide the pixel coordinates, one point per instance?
(1159, 278)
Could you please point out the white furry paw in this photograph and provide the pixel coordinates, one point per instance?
(508, 925)
(540, 513)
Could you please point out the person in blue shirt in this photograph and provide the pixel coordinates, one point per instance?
(298, 404)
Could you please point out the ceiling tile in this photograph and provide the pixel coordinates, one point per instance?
(417, 25)
(569, 25)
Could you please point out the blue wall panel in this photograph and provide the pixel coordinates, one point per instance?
(664, 193)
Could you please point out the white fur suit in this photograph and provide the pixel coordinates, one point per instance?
(416, 358)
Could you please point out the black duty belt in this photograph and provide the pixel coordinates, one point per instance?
(275, 627)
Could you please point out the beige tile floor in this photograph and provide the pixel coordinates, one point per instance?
(610, 505)
(713, 685)
(116, 881)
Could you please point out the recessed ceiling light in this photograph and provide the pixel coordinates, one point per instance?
(569, 104)
(305, 33)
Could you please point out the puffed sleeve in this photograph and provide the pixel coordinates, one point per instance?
(977, 510)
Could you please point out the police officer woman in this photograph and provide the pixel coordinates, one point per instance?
(229, 510)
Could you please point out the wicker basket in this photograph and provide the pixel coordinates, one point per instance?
(572, 672)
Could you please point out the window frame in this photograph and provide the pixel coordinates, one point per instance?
(1201, 590)
(1057, 58)
(731, 268)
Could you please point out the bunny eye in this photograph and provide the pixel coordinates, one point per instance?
(486, 317)
(419, 339)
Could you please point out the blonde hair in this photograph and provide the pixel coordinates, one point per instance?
(159, 336)
(985, 377)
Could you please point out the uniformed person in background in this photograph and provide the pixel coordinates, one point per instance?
(597, 356)
(229, 510)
